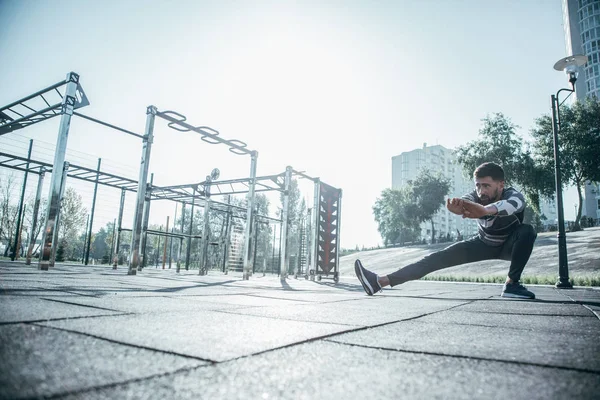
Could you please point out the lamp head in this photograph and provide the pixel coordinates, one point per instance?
(570, 65)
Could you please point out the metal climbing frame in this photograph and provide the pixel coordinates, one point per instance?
(64, 97)
(40, 106)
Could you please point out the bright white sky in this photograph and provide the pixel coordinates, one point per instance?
(333, 88)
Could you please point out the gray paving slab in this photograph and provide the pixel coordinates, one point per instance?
(166, 304)
(494, 343)
(264, 337)
(247, 300)
(311, 296)
(589, 325)
(209, 335)
(365, 311)
(29, 369)
(323, 370)
(582, 295)
(23, 309)
(517, 306)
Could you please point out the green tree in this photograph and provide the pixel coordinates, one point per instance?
(498, 142)
(73, 217)
(296, 214)
(100, 249)
(8, 211)
(579, 145)
(396, 215)
(41, 219)
(428, 192)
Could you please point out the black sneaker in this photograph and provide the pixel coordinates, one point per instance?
(367, 278)
(516, 290)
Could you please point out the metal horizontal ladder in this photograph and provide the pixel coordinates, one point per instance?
(40, 106)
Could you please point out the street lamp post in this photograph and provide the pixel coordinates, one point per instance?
(570, 66)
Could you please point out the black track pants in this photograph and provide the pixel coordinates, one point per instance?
(516, 249)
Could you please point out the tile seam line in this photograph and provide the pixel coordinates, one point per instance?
(485, 326)
(36, 321)
(137, 346)
(579, 302)
(114, 384)
(81, 305)
(280, 319)
(429, 353)
(330, 335)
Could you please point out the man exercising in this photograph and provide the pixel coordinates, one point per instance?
(502, 235)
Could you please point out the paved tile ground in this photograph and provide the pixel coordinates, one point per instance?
(94, 333)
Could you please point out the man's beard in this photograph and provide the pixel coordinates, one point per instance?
(485, 200)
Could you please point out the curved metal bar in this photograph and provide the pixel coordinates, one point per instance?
(209, 135)
(238, 143)
(182, 118)
(210, 140)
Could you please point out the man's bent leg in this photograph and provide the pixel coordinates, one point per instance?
(517, 249)
(467, 251)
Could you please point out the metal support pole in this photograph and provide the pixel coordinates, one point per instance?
(157, 251)
(165, 245)
(21, 206)
(279, 250)
(273, 258)
(89, 234)
(171, 239)
(266, 251)
(120, 223)
(112, 242)
(310, 241)
(563, 267)
(205, 235)
(20, 235)
(36, 209)
(315, 228)
(227, 240)
(145, 224)
(283, 258)
(255, 236)
(141, 192)
(188, 250)
(68, 104)
(337, 237)
(58, 216)
(250, 216)
(181, 239)
(85, 238)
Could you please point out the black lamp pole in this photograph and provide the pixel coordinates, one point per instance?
(570, 66)
(563, 265)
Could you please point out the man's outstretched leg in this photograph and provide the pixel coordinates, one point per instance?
(459, 253)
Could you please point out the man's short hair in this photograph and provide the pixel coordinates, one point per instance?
(490, 169)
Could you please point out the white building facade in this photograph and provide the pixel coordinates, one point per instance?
(581, 22)
(406, 167)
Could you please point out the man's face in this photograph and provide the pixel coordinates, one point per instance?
(488, 190)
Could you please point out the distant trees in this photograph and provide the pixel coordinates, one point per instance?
(297, 213)
(395, 214)
(399, 213)
(498, 142)
(429, 191)
(8, 211)
(579, 143)
(72, 222)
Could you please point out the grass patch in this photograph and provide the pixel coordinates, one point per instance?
(591, 281)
